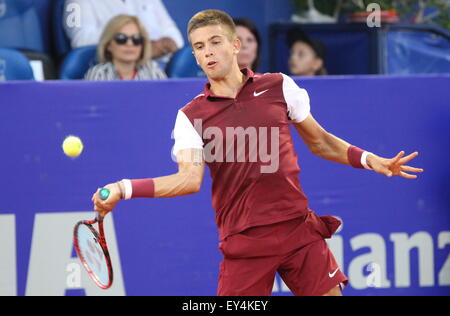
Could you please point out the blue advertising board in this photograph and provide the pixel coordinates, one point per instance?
(395, 238)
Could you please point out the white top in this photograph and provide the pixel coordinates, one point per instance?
(186, 137)
(298, 108)
(84, 20)
(297, 100)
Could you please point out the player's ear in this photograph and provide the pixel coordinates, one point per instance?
(237, 46)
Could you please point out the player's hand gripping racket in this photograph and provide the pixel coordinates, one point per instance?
(92, 249)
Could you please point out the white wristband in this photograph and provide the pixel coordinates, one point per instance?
(364, 159)
(128, 189)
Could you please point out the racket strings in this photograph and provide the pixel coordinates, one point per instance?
(93, 253)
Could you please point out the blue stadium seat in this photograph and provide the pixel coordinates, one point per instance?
(14, 65)
(183, 65)
(61, 41)
(19, 25)
(77, 63)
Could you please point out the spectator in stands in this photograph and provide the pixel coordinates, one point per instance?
(124, 53)
(95, 14)
(307, 55)
(247, 32)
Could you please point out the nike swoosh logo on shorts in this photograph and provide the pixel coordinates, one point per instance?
(257, 94)
(331, 275)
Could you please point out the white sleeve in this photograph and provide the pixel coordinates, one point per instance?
(167, 26)
(186, 137)
(297, 100)
(80, 23)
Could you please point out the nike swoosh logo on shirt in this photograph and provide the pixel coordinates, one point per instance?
(331, 275)
(257, 94)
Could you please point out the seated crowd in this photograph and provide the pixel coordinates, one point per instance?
(137, 39)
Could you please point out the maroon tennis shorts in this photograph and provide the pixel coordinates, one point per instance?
(296, 249)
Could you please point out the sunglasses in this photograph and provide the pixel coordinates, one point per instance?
(122, 39)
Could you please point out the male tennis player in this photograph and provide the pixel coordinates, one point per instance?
(235, 126)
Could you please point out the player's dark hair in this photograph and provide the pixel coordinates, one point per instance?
(212, 17)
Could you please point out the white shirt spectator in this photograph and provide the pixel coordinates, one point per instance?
(95, 14)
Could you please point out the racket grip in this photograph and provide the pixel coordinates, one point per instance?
(104, 195)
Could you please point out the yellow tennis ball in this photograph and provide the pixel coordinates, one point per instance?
(72, 146)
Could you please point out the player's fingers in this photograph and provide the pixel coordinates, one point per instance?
(408, 158)
(398, 157)
(99, 203)
(101, 210)
(95, 194)
(407, 175)
(411, 169)
(97, 209)
(385, 171)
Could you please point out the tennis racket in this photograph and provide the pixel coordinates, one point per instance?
(92, 249)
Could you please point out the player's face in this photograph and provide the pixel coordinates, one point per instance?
(126, 52)
(249, 48)
(303, 60)
(215, 52)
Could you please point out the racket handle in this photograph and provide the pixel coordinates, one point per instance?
(104, 195)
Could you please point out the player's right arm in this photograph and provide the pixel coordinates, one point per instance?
(188, 180)
(188, 151)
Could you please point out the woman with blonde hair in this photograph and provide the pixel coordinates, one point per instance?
(124, 52)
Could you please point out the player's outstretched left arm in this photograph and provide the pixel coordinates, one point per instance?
(330, 147)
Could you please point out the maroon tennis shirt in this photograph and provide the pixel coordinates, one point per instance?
(249, 150)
